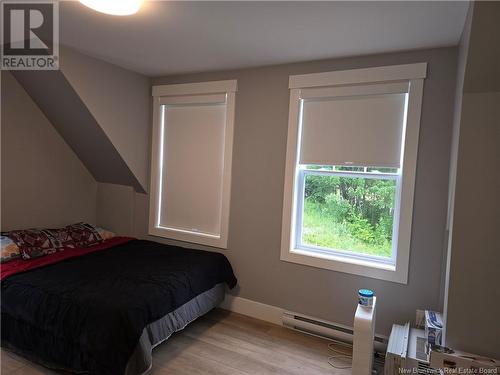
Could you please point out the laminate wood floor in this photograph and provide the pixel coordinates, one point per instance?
(223, 343)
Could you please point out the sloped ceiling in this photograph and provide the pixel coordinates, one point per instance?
(119, 101)
(43, 182)
(101, 111)
(65, 109)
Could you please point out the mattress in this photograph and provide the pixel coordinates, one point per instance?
(157, 332)
(102, 312)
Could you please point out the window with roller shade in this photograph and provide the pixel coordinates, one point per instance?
(351, 162)
(192, 148)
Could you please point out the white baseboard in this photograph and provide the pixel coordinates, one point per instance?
(273, 314)
(268, 313)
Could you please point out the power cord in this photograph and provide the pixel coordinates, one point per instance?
(340, 360)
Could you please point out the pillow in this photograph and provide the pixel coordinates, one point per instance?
(105, 234)
(62, 236)
(34, 243)
(9, 250)
(83, 234)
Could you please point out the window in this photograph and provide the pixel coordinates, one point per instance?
(191, 161)
(351, 160)
(347, 209)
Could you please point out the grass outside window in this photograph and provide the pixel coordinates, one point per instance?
(353, 214)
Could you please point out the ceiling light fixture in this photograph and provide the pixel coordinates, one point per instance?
(114, 7)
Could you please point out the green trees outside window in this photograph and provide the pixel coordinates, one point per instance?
(349, 213)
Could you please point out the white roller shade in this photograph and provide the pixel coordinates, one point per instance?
(192, 170)
(363, 130)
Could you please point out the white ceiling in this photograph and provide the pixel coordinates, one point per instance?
(178, 37)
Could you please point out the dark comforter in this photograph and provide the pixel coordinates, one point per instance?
(87, 313)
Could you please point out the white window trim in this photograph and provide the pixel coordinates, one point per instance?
(180, 93)
(414, 75)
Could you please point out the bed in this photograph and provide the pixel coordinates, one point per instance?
(102, 309)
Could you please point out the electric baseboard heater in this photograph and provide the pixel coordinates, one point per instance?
(325, 329)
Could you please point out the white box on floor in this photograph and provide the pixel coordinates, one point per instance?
(463, 363)
(406, 352)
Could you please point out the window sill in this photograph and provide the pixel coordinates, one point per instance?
(346, 264)
(189, 236)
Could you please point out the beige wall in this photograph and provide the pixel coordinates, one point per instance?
(473, 298)
(483, 61)
(257, 195)
(463, 51)
(115, 208)
(43, 183)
